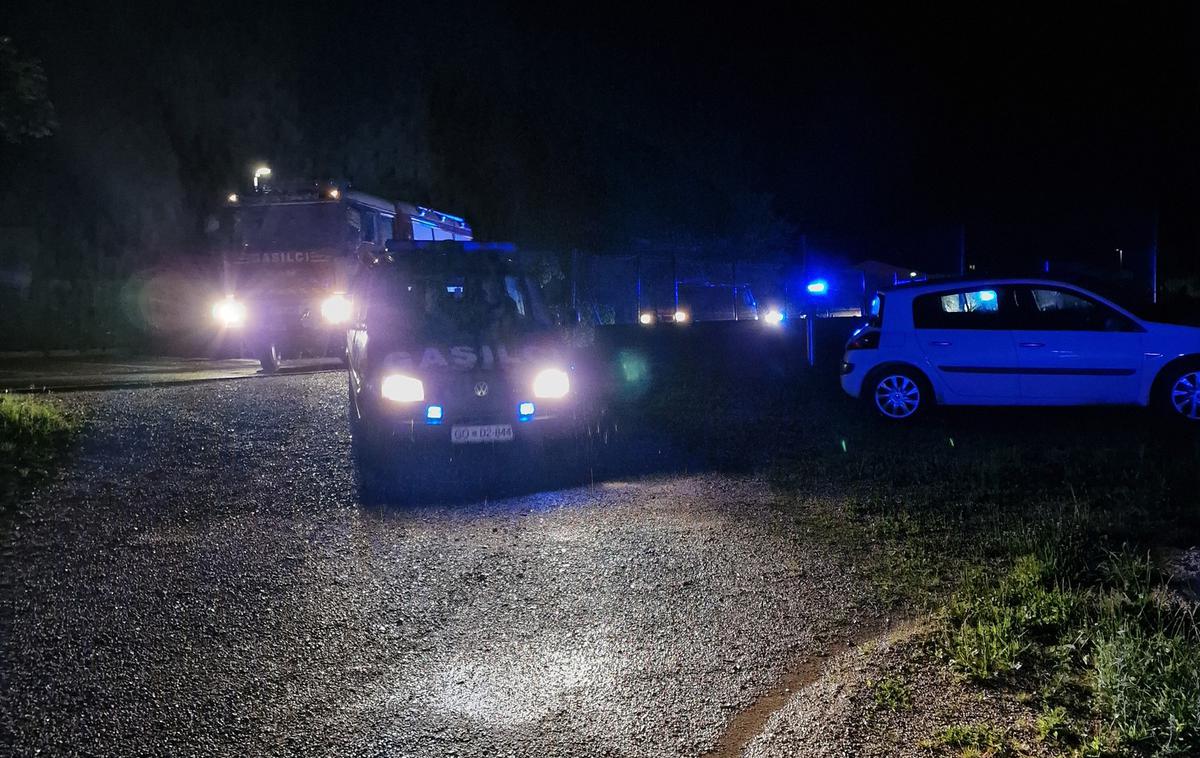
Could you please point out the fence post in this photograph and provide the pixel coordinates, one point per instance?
(575, 284)
(637, 316)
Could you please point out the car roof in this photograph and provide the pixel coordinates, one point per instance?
(937, 285)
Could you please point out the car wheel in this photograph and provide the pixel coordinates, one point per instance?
(1180, 393)
(368, 450)
(899, 394)
(268, 356)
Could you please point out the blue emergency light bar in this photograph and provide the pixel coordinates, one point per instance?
(817, 287)
(409, 246)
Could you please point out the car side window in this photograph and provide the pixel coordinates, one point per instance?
(1051, 309)
(976, 308)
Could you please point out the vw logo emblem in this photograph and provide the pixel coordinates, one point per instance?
(481, 389)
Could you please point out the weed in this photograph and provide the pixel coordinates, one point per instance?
(1051, 724)
(974, 740)
(1147, 683)
(891, 693)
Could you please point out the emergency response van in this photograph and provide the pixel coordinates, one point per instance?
(451, 349)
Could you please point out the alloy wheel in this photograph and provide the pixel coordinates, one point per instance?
(897, 396)
(1185, 396)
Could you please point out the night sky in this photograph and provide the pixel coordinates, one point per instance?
(602, 127)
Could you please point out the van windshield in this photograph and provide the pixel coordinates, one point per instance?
(485, 301)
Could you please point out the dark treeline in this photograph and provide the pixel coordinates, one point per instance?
(600, 127)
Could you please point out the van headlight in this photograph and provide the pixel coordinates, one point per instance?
(402, 389)
(551, 382)
(229, 312)
(336, 308)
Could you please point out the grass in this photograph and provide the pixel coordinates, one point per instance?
(33, 433)
(1031, 535)
(974, 741)
(891, 693)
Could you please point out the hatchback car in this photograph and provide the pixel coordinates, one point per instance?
(1009, 342)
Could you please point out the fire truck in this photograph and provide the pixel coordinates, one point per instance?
(286, 258)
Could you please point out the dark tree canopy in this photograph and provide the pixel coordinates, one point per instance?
(25, 110)
(595, 128)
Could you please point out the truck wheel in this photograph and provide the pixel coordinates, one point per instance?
(268, 356)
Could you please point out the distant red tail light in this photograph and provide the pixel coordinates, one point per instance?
(864, 341)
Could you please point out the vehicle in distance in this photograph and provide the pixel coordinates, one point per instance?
(705, 302)
(1008, 342)
(451, 347)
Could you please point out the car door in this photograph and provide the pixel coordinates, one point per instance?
(966, 336)
(1075, 350)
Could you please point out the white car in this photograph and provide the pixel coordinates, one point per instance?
(1016, 342)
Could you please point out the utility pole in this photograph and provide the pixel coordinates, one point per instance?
(962, 249)
(637, 316)
(675, 282)
(1154, 261)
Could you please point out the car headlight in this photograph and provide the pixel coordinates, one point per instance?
(229, 312)
(551, 382)
(681, 317)
(336, 308)
(402, 389)
(646, 319)
(773, 317)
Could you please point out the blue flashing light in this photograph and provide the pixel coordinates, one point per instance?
(876, 305)
(818, 287)
(525, 411)
(987, 296)
(433, 414)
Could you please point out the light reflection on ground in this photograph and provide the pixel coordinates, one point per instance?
(522, 682)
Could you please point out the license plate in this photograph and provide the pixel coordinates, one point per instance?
(466, 435)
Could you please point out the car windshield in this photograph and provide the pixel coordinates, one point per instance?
(450, 300)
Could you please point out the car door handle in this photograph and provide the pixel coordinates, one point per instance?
(941, 343)
(1033, 344)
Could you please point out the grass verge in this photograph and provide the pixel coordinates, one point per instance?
(1034, 537)
(33, 433)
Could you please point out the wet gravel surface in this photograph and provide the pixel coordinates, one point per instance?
(202, 581)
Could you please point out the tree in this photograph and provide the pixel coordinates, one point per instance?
(25, 110)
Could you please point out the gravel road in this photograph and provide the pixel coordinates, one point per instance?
(201, 581)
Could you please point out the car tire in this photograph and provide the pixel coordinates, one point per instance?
(368, 450)
(1178, 393)
(898, 394)
(268, 356)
